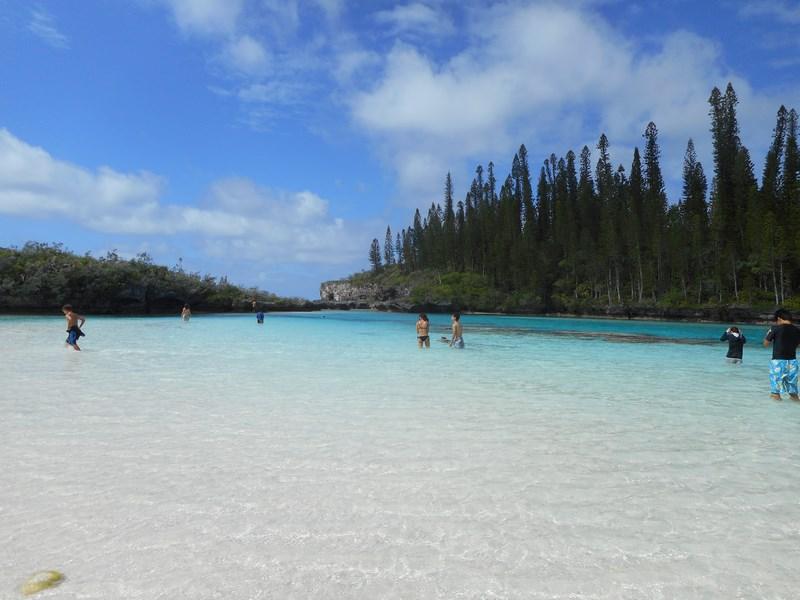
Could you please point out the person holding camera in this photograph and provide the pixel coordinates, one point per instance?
(736, 342)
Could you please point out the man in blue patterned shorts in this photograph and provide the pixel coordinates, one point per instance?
(784, 337)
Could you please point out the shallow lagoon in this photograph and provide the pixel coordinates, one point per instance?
(323, 456)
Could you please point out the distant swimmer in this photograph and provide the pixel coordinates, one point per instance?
(260, 317)
(785, 338)
(457, 341)
(74, 324)
(423, 331)
(736, 342)
(186, 313)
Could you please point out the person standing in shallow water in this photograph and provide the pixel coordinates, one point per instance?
(74, 324)
(736, 342)
(186, 313)
(457, 341)
(785, 338)
(423, 331)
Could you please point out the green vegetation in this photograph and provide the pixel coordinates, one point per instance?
(585, 238)
(432, 287)
(42, 277)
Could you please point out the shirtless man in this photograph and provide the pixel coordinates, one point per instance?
(457, 341)
(186, 313)
(423, 331)
(74, 324)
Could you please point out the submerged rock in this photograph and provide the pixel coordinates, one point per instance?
(41, 581)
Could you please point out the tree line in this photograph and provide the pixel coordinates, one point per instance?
(599, 233)
(42, 277)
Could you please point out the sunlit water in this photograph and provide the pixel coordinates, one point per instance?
(324, 456)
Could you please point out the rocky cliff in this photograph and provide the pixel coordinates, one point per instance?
(368, 293)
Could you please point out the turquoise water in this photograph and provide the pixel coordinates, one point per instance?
(322, 455)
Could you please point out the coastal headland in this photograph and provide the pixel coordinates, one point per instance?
(359, 292)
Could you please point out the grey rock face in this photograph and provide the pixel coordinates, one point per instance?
(344, 291)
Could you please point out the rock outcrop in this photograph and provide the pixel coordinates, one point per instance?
(346, 292)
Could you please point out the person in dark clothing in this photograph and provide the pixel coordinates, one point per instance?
(785, 338)
(736, 342)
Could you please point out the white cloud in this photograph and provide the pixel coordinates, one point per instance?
(237, 215)
(246, 55)
(32, 183)
(533, 71)
(271, 92)
(416, 17)
(785, 12)
(283, 16)
(43, 26)
(258, 53)
(552, 76)
(331, 8)
(241, 196)
(206, 17)
(350, 63)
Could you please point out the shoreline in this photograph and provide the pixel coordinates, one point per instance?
(308, 306)
(744, 315)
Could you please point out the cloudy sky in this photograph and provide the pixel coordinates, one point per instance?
(271, 140)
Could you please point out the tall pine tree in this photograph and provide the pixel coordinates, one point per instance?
(375, 255)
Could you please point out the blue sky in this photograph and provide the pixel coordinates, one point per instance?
(270, 141)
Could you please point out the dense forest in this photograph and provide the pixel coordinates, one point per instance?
(42, 277)
(586, 235)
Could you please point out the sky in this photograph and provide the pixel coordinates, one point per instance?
(270, 140)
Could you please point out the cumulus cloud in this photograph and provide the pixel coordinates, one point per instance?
(236, 214)
(32, 183)
(536, 74)
(43, 25)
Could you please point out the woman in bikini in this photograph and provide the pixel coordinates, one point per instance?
(423, 331)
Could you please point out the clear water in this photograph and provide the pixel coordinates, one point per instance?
(324, 456)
